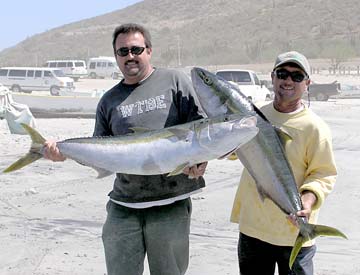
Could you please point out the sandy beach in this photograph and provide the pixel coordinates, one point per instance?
(51, 214)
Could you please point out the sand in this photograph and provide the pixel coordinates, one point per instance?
(51, 214)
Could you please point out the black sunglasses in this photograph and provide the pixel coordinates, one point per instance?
(135, 50)
(295, 76)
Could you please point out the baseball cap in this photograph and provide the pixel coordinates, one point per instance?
(293, 57)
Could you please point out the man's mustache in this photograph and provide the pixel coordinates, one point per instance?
(131, 61)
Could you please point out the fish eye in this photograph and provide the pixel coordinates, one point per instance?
(207, 80)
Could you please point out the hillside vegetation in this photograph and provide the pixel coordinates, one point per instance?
(208, 32)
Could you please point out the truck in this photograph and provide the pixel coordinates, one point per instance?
(248, 82)
(318, 91)
(322, 91)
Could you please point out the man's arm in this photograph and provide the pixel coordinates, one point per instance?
(320, 175)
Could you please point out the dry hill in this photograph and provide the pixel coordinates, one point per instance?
(206, 32)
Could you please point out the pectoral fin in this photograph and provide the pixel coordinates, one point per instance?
(178, 169)
(181, 133)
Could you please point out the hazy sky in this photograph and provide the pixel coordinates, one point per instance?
(21, 19)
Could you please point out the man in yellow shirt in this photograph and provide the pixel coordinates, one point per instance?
(266, 236)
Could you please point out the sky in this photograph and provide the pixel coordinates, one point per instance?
(22, 19)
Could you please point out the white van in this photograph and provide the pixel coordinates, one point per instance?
(28, 79)
(73, 68)
(103, 66)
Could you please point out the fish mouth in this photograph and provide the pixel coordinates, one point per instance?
(200, 76)
(195, 78)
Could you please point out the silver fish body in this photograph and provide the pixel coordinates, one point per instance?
(264, 153)
(162, 151)
(168, 150)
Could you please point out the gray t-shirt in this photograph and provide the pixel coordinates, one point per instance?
(164, 99)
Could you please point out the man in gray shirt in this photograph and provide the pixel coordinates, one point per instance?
(146, 214)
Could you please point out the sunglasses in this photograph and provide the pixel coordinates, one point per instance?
(295, 76)
(134, 50)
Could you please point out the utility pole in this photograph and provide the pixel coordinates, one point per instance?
(178, 50)
(36, 60)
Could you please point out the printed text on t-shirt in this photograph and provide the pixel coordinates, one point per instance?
(139, 107)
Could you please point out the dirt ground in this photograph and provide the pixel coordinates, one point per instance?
(51, 214)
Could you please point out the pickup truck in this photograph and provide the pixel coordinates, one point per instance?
(248, 83)
(322, 92)
(319, 91)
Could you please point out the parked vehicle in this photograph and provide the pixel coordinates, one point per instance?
(319, 91)
(349, 91)
(72, 68)
(102, 67)
(248, 83)
(322, 91)
(28, 79)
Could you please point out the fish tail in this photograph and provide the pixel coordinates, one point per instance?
(34, 152)
(313, 230)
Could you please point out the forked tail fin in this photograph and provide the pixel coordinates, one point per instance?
(34, 152)
(313, 230)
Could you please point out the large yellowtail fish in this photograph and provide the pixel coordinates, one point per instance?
(144, 152)
(264, 153)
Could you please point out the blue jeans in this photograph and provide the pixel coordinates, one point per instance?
(161, 232)
(258, 257)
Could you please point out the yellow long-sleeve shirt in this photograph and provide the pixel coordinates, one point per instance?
(311, 158)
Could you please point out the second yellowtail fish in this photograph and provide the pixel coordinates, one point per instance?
(265, 152)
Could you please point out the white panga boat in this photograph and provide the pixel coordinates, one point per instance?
(69, 105)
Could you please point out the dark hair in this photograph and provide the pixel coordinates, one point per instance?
(132, 28)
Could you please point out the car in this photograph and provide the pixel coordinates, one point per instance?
(349, 91)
